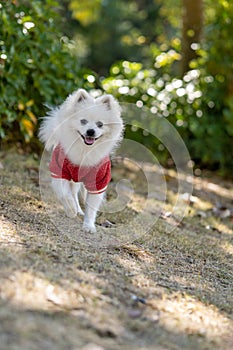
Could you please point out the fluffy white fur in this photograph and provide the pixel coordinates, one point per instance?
(68, 126)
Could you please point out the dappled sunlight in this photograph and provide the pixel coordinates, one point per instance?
(178, 312)
(82, 307)
(219, 189)
(195, 201)
(222, 188)
(164, 285)
(8, 233)
(26, 291)
(182, 313)
(227, 247)
(29, 291)
(81, 298)
(219, 225)
(168, 284)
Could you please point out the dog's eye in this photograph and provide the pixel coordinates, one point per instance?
(99, 124)
(83, 121)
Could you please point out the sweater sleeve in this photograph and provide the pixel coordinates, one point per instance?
(98, 178)
(58, 165)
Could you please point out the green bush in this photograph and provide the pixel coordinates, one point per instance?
(36, 67)
(213, 135)
(195, 105)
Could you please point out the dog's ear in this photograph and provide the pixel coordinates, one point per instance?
(82, 95)
(106, 100)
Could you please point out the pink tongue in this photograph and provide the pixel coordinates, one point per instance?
(89, 140)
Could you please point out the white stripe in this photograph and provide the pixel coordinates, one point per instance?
(55, 175)
(99, 191)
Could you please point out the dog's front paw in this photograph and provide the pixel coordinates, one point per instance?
(89, 228)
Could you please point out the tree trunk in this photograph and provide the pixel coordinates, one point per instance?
(191, 32)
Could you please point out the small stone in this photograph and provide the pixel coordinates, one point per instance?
(92, 346)
(134, 313)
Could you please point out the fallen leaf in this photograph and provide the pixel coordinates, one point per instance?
(222, 212)
(107, 224)
(201, 214)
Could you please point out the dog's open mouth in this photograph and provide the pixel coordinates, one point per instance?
(89, 140)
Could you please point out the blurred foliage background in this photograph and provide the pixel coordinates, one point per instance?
(173, 57)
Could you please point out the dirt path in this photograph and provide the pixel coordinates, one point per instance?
(163, 291)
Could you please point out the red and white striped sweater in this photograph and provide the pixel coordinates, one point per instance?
(95, 179)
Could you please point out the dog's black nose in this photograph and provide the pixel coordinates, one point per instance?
(90, 132)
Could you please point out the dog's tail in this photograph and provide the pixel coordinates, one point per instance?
(48, 130)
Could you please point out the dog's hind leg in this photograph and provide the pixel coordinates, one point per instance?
(63, 191)
(92, 205)
(75, 188)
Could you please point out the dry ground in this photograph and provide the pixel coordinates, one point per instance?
(166, 290)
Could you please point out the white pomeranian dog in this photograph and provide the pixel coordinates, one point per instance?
(82, 133)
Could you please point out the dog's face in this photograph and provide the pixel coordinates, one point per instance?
(95, 120)
(90, 130)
